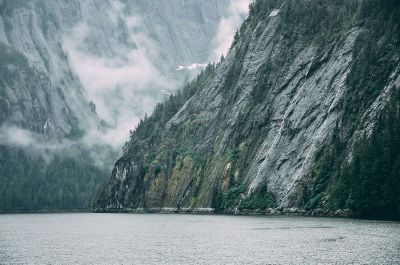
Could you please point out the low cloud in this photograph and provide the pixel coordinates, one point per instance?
(237, 12)
(122, 80)
(15, 136)
(123, 87)
(125, 82)
(193, 66)
(36, 145)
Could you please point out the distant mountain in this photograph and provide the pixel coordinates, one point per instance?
(302, 115)
(76, 76)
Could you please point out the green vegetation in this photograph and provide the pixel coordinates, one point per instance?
(311, 21)
(29, 182)
(228, 199)
(161, 153)
(75, 132)
(376, 54)
(163, 112)
(370, 183)
(260, 198)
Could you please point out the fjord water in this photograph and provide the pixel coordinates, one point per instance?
(87, 238)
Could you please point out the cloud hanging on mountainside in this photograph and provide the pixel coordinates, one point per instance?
(237, 12)
(123, 86)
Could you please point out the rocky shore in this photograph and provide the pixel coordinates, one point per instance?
(344, 213)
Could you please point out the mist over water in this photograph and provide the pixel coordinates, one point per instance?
(194, 239)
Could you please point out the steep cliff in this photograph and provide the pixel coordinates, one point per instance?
(62, 100)
(276, 123)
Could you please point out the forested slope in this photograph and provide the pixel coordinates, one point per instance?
(302, 113)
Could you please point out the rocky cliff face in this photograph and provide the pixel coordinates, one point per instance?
(61, 93)
(42, 89)
(250, 131)
(183, 31)
(39, 90)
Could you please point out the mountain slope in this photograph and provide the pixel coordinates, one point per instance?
(182, 30)
(276, 123)
(73, 74)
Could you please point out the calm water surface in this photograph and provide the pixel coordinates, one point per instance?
(86, 238)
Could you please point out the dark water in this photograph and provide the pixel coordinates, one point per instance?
(86, 238)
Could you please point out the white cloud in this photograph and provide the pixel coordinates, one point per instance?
(15, 136)
(192, 66)
(35, 144)
(128, 83)
(12, 135)
(237, 12)
(123, 87)
(123, 81)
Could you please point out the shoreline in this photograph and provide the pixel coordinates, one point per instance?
(338, 213)
(46, 211)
